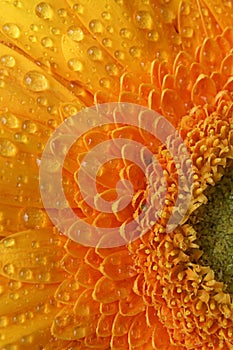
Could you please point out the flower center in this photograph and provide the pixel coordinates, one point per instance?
(213, 223)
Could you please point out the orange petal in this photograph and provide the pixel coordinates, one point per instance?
(118, 266)
(204, 91)
(107, 291)
(121, 325)
(68, 291)
(87, 276)
(69, 326)
(139, 333)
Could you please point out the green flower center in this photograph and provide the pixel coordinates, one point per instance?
(214, 225)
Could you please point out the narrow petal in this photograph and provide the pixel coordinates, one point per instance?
(33, 256)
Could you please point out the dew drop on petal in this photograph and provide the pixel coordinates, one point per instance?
(135, 52)
(9, 120)
(95, 53)
(105, 83)
(4, 321)
(35, 81)
(106, 15)
(29, 126)
(7, 148)
(144, 20)
(26, 274)
(55, 31)
(7, 61)
(20, 137)
(9, 269)
(119, 55)
(125, 33)
(96, 26)
(185, 9)
(9, 242)
(12, 30)
(187, 32)
(75, 33)
(34, 217)
(32, 38)
(153, 35)
(107, 42)
(44, 10)
(75, 65)
(112, 69)
(47, 42)
(62, 13)
(34, 27)
(78, 8)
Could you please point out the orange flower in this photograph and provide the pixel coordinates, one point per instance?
(172, 56)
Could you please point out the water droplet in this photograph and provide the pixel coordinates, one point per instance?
(75, 33)
(218, 10)
(55, 31)
(44, 10)
(153, 35)
(26, 339)
(34, 218)
(29, 126)
(7, 148)
(35, 81)
(9, 269)
(20, 137)
(14, 296)
(42, 101)
(12, 30)
(106, 15)
(35, 244)
(25, 274)
(34, 27)
(18, 4)
(62, 12)
(69, 109)
(45, 277)
(8, 61)
(14, 285)
(47, 42)
(135, 52)
(32, 38)
(95, 53)
(187, 32)
(110, 29)
(3, 321)
(105, 83)
(78, 8)
(9, 120)
(119, 55)
(126, 33)
(96, 26)
(112, 69)
(75, 65)
(185, 9)
(107, 42)
(9, 242)
(144, 20)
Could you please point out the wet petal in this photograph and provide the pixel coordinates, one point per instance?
(27, 311)
(33, 256)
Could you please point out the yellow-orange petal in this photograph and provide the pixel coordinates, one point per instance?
(26, 313)
(33, 256)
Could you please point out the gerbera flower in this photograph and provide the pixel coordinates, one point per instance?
(159, 291)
